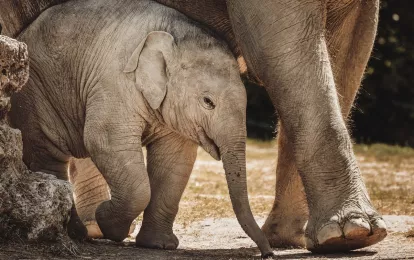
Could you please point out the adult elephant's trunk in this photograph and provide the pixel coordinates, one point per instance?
(234, 162)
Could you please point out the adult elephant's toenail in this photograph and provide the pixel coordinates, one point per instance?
(357, 228)
(379, 228)
(379, 224)
(328, 232)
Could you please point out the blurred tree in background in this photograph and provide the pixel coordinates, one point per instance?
(384, 109)
(385, 105)
(261, 122)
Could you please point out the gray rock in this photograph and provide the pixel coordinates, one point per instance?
(33, 206)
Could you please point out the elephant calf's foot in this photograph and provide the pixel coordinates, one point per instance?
(114, 226)
(353, 227)
(284, 231)
(158, 240)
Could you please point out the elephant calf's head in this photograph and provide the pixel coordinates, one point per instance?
(195, 83)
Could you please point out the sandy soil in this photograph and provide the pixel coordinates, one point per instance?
(221, 239)
(207, 228)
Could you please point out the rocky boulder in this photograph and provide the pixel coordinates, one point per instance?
(33, 206)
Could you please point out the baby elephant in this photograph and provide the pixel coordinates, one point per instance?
(107, 79)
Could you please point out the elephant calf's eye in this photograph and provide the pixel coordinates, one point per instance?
(208, 103)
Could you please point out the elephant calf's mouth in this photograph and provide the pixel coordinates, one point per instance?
(208, 144)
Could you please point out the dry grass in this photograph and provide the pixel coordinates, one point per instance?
(387, 170)
(410, 233)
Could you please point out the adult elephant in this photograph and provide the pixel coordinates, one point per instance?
(311, 56)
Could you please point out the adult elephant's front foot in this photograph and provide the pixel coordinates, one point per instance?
(157, 240)
(355, 225)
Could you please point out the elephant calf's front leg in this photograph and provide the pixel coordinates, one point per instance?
(170, 162)
(89, 190)
(116, 150)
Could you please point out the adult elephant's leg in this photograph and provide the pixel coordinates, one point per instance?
(89, 190)
(285, 225)
(284, 43)
(170, 161)
(351, 29)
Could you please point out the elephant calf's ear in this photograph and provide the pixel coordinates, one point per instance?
(149, 62)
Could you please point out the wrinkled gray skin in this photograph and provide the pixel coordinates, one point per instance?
(106, 80)
(310, 56)
(89, 190)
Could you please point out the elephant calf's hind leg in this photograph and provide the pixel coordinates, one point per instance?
(90, 189)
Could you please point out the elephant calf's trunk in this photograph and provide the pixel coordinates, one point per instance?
(234, 163)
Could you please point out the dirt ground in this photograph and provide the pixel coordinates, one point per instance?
(207, 228)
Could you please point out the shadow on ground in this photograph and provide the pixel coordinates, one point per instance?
(104, 249)
(218, 239)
